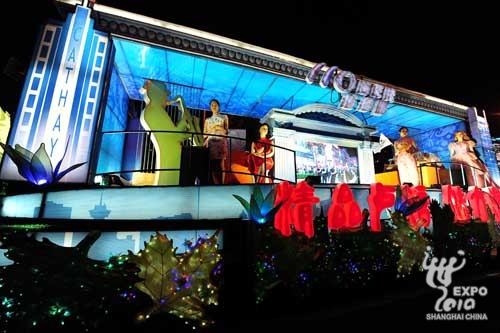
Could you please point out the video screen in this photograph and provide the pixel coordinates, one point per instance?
(332, 163)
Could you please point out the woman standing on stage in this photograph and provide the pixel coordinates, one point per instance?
(215, 130)
(466, 163)
(260, 160)
(404, 149)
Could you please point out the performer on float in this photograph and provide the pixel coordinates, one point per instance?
(466, 165)
(216, 128)
(260, 160)
(404, 148)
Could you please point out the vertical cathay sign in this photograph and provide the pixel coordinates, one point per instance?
(61, 96)
(65, 87)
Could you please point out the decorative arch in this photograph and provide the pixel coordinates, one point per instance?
(331, 110)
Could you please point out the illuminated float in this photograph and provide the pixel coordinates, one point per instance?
(135, 169)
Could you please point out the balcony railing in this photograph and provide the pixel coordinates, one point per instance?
(458, 174)
(130, 157)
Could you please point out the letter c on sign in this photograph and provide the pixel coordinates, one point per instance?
(314, 72)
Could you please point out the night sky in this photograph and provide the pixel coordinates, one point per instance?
(449, 53)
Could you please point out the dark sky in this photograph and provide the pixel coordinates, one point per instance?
(449, 53)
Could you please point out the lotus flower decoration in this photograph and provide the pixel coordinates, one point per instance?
(260, 209)
(36, 167)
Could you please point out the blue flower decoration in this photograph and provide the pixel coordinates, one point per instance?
(36, 167)
(407, 206)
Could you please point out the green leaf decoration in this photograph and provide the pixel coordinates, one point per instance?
(178, 285)
(244, 203)
(411, 244)
(257, 195)
(255, 209)
(268, 203)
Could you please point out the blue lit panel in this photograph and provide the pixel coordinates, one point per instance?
(115, 243)
(246, 91)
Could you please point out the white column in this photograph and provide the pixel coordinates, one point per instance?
(366, 163)
(284, 159)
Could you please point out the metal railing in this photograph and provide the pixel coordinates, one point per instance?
(129, 158)
(459, 174)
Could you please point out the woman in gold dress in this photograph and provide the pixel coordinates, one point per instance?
(404, 148)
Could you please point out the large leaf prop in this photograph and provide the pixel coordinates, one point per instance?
(178, 285)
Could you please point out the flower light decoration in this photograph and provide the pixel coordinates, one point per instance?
(260, 209)
(36, 167)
